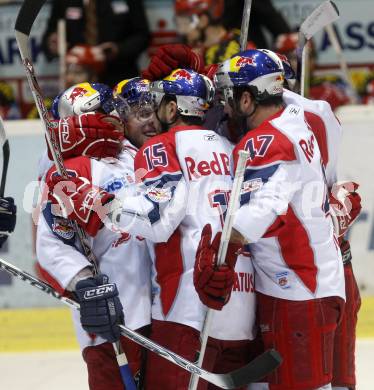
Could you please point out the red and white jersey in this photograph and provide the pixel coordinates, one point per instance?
(186, 182)
(284, 211)
(123, 257)
(326, 128)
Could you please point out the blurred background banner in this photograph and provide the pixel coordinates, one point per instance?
(355, 31)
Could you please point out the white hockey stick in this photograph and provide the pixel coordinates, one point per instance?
(225, 239)
(238, 378)
(326, 13)
(6, 154)
(245, 24)
(61, 48)
(342, 61)
(25, 19)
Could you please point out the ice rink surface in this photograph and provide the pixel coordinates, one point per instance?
(65, 370)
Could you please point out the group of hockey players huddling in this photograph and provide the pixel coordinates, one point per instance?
(149, 183)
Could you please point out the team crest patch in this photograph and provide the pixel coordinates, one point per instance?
(62, 228)
(252, 185)
(159, 195)
(282, 279)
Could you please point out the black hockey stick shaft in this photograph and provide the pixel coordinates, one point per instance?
(6, 155)
(252, 372)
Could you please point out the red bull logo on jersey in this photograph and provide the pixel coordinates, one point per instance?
(159, 195)
(218, 165)
(62, 228)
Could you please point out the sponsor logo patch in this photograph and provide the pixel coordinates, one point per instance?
(62, 228)
(282, 280)
(252, 185)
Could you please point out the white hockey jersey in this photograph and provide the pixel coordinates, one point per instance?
(186, 182)
(284, 211)
(123, 257)
(326, 128)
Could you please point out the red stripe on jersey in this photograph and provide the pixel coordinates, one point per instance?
(266, 145)
(296, 250)
(319, 130)
(169, 267)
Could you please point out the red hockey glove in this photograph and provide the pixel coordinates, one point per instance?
(345, 205)
(93, 135)
(170, 57)
(77, 199)
(213, 284)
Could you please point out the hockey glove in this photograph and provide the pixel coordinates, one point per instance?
(101, 310)
(213, 284)
(170, 57)
(8, 216)
(345, 205)
(79, 200)
(93, 135)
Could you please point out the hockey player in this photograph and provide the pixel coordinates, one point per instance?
(299, 272)
(122, 257)
(327, 131)
(186, 177)
(345, 205)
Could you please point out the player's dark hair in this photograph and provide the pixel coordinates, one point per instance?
(267, 101)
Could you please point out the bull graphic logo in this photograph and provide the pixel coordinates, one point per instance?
(182, 74)
(75, 93)
(243, 61)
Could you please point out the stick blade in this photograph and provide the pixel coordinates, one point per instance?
(27, 15)
(255, 370)
(324, 14)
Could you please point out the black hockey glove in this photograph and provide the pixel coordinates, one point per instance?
(100, 308)
(8, 213)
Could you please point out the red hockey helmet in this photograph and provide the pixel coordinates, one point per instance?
(214, 8)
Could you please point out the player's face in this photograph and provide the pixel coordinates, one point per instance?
(141, 126)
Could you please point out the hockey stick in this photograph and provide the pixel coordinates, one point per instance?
(238, 378)
(6, 153)
(225, 239)
(323, 15)
(61, 48)
(342, 61)
(25, 19)
(245, 24)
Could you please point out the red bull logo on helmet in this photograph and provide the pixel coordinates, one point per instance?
(243, 61)
(180, 74)
(80, 90)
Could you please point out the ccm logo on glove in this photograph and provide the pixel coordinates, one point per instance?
(100, 291)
